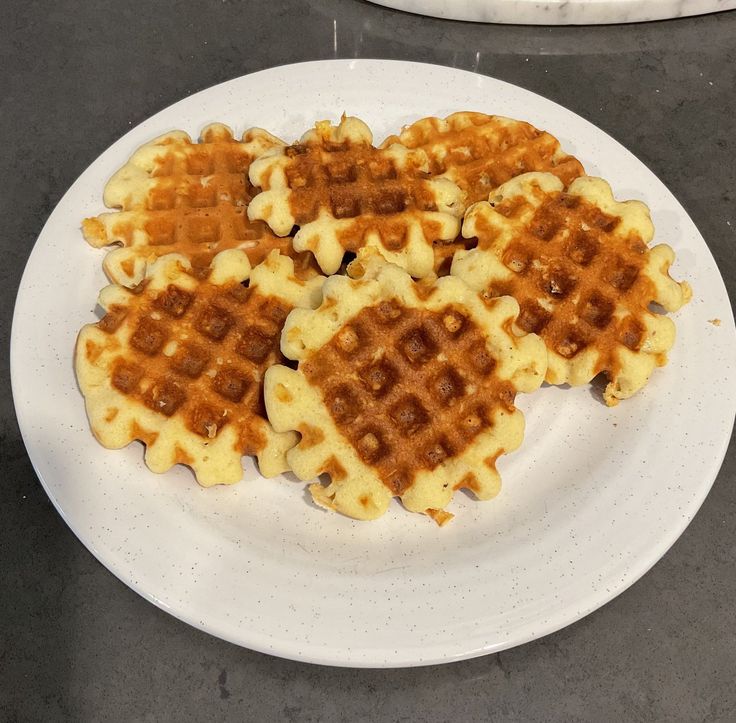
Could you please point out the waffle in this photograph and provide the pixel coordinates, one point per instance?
(403, 389)
(480, 152)
(176, 196)
(345, 195)
(579, 264)
(178, 363)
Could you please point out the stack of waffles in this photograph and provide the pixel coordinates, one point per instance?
(365, 313)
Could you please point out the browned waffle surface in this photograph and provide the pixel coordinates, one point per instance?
(178, 196)
(579, 264)
(413, 426)
(480, 152)
(402, 390)
(178, 363)
(343, 194)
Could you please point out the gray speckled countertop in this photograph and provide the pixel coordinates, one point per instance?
(75, 643)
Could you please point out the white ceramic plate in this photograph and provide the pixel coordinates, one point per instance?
(592, 499)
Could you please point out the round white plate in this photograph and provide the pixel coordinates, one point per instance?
(592, 499)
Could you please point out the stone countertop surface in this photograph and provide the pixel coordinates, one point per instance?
(75, 643)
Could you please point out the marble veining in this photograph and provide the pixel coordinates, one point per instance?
(559, 12)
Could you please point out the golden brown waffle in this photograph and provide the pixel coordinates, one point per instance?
(403, 389)
(178, 363)
(343, 195)
(578, 263)
(480, 152)
(177, 196)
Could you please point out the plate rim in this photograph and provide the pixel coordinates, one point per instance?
(581, 12)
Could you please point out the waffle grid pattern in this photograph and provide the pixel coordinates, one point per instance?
(579, 265)
(179, 361)
(425, 399)
(480, 152)
(344, 194)
(403, 389)
(351, 181)
(178, 196)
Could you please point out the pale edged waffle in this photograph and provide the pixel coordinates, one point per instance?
(343, 194)
(178, 363)
(580, 266)
(403, 389)
(480, 152)
(177, 196)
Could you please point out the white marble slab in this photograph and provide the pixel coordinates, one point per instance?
(559, 12)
